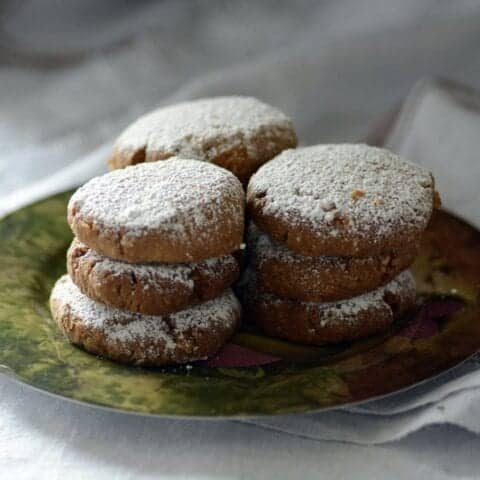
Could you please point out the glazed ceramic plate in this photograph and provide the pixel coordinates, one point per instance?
(255, 375)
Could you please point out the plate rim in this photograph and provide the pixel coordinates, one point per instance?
(8, 373)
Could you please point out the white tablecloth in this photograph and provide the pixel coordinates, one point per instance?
(71, 79)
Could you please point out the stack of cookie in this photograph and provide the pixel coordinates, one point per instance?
(152, 262)
(335, 228)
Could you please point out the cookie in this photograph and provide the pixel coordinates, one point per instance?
(348, 200)
(320, 279)
(152, 288)
(333, 322)
(178, 211)
(237, 133)
(185, 336)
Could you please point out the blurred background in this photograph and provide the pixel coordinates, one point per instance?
(74, 73)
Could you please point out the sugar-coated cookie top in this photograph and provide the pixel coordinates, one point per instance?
(204, 128)
(124, 327)
(172, 196)
(344, 189)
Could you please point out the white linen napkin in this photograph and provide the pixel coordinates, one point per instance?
(439, 127)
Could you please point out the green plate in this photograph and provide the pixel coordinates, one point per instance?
(33, 242)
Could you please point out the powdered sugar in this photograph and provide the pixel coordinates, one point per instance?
(349, 187)
(157, 275)
(264, 248)
(401, 287)
(126, 327)
(205, 128)
(175, 197)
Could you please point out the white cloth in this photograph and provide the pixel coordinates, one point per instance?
(336, 68)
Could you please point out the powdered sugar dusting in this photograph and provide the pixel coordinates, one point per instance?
(126, 327)
(402, 286)
(354, 188)
(205, 128)
(175, 197)
(157, 274)
(264, 248)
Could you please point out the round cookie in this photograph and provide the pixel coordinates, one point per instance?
(320, 279)
(323, 323)
(178, 211)
(186, 336)
(151, 289)
(347, 200)
(237, 133)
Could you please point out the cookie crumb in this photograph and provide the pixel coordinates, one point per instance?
(386, 260)
(357, 194)
(327, 205)
(329, 216)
